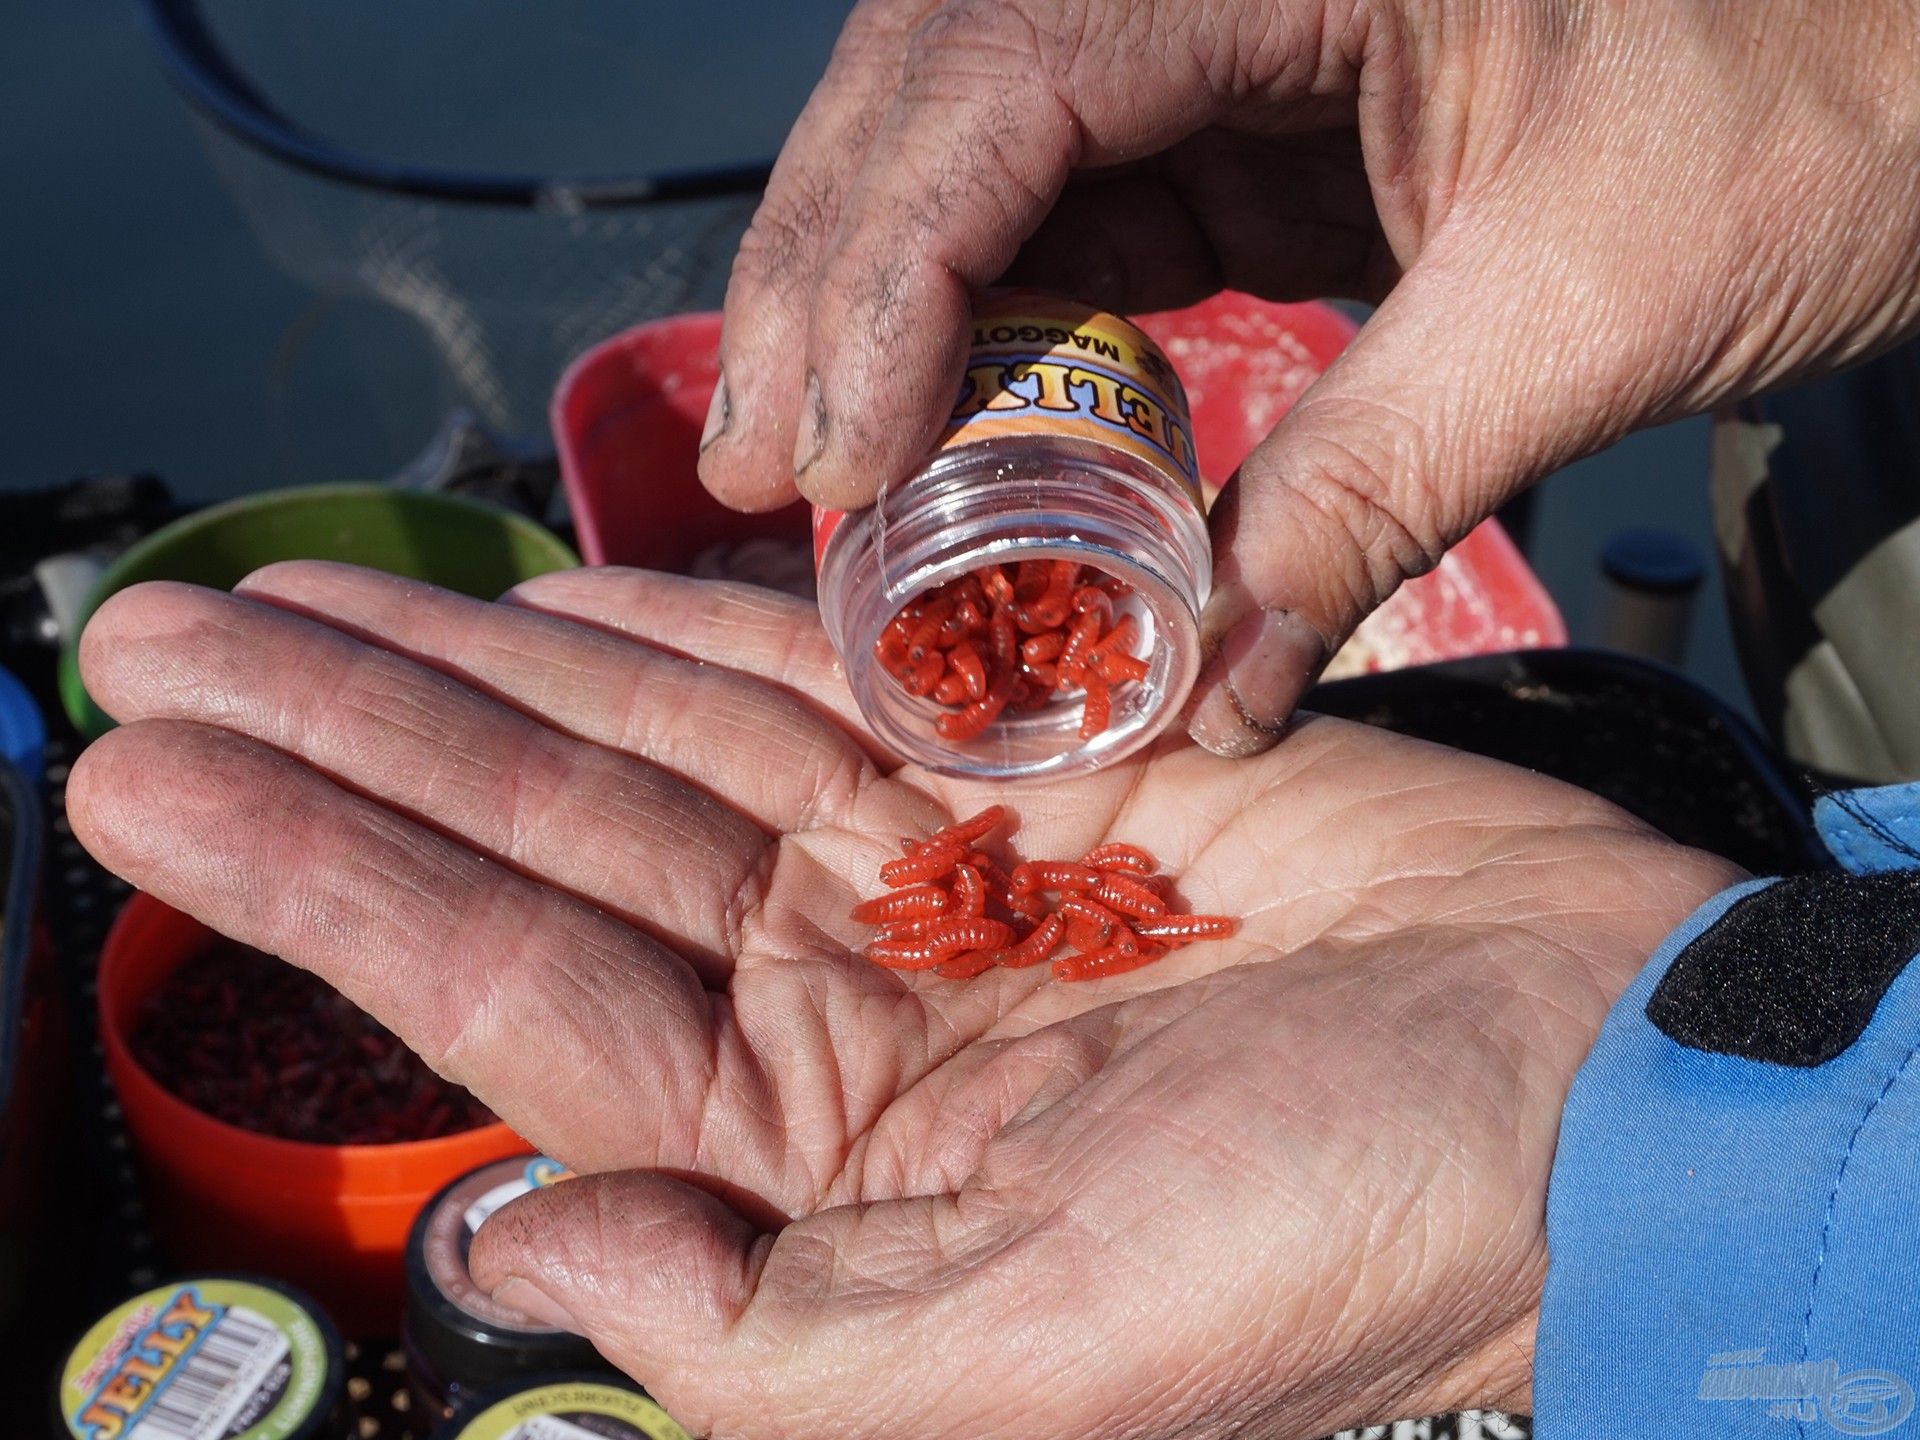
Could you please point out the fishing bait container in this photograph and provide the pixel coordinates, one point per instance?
(563, 1407)
(235, 1356)
(627, 419)
(1070, 441)
(458, 1339)
(332, 1218)
(446, 540)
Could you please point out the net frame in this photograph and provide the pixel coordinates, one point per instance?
(510, 274)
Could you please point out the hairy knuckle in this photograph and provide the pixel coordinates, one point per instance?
(979, 39)
(999, 137)
(993, 84)
(788, 230)
(875, 31)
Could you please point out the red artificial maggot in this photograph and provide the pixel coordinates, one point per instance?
(909, 903)
(944, 940)
(990, 642)
(1119, 856)
(954, 910)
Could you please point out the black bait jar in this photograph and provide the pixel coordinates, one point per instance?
(458, 1339)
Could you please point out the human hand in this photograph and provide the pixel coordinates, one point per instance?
(1583, 218)
(592, 854)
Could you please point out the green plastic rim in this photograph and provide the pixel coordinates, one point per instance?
(445, 540)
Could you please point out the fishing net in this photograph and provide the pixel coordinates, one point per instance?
(508, 296)
(419, 156)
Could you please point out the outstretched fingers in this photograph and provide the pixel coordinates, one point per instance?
(615, 830)
(599, 664)
(537, 1001)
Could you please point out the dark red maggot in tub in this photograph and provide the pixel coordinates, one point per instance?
(257, 1043)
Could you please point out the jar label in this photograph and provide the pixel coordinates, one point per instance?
(538, 1173)
(447, 1234)
(209, 1359)
(573, 1410)
(1040, 366)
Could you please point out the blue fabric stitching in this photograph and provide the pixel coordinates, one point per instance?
(1873, 825)
(1833, 1203)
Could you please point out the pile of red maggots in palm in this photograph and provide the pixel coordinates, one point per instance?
(255, 1042)
(1014, 640)
(951, 909)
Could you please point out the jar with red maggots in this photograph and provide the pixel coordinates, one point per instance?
(1069, 442)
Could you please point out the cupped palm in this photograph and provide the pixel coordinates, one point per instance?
(592, 853)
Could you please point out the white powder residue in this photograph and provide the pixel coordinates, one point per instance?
(1441, 616)
(1261, 362)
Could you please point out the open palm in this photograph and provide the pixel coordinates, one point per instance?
(592, 853)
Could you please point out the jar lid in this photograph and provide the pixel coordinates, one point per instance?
(466, 1337)
(1659, 562)
(563, 1407)
(240, 1357)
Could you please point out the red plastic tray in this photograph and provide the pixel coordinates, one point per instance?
(627, 418)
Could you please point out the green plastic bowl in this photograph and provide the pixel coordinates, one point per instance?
(448, 541)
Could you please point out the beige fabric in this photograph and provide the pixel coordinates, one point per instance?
(1847, 667)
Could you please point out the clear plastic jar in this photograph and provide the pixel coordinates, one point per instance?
(1070, 441)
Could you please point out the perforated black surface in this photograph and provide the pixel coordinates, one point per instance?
(106, 1224)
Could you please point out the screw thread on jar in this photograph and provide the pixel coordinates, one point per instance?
(1001, 501)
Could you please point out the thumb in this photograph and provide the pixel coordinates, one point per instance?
(831, 1324)
(1443, 407)
(653, 1271)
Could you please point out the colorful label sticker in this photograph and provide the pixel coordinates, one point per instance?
(1049, 367)
(573, 1410)
(538, 1173)
(1045, 367)
(449, 1232)
(204, 1360)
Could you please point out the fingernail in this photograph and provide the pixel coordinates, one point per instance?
(812, 438)
(1271, 658)
(1263, 666)
(719, 413)
(536, 1304)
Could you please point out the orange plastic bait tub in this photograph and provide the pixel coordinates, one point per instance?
(331, 1219)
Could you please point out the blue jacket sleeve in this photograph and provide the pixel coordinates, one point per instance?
(1734, 1213)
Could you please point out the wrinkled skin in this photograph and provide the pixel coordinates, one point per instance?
(1580, 216)
(592, 854)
